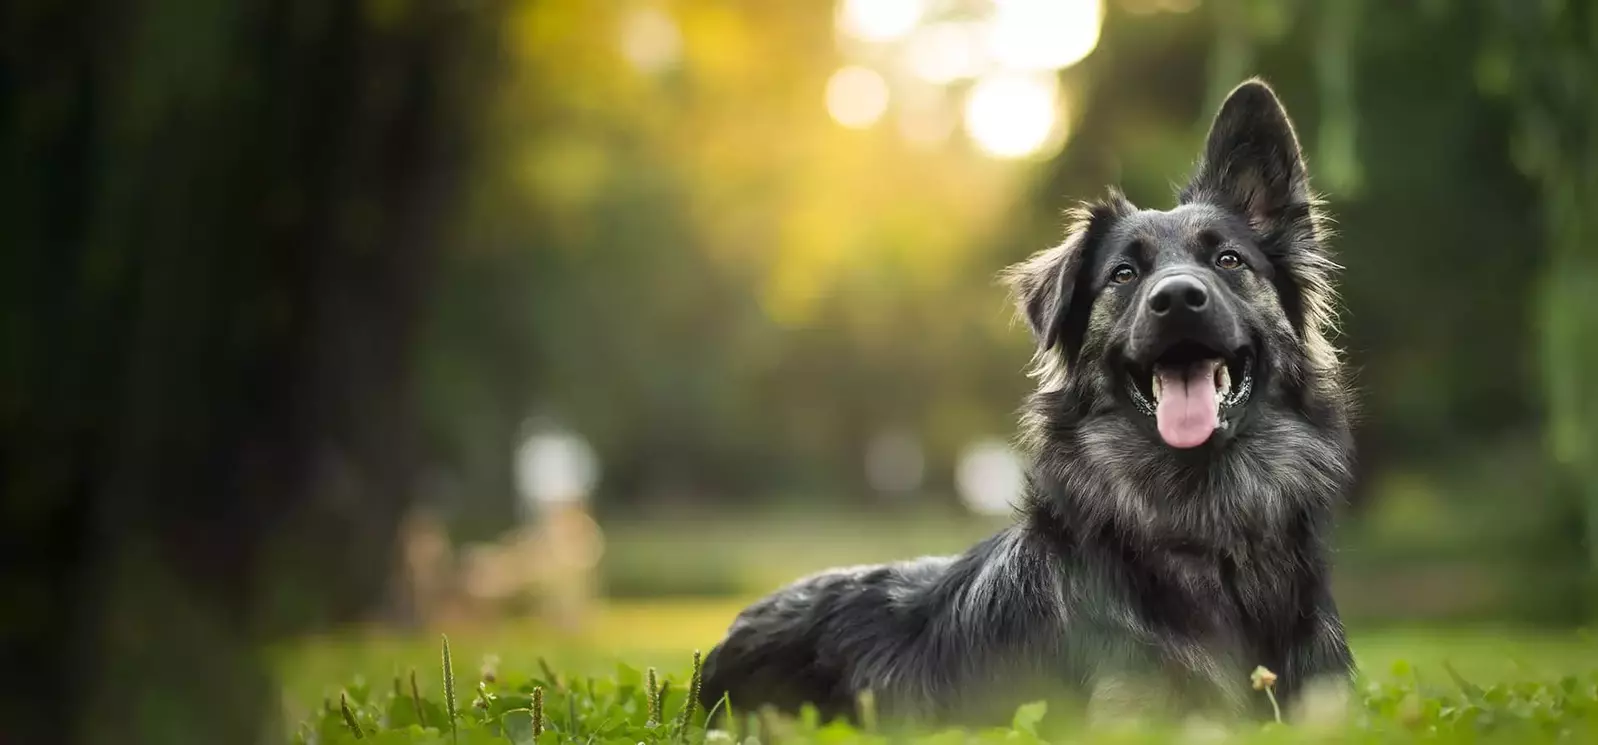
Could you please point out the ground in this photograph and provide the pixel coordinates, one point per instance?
(664, 634)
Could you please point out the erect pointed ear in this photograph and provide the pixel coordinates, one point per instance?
(1252, 163)
(1047, 287)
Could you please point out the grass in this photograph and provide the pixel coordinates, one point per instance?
(520, 683)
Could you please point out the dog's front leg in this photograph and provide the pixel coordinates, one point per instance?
(1127, 701)
(1118, 700)
(1320, 671)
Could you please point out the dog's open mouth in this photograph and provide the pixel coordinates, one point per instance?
(1189, 389)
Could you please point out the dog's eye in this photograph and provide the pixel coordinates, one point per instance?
(1228, 260)
(1123, 274)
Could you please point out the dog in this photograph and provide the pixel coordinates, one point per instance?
(1188, 442)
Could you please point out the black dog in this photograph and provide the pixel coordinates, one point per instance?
(1188, 441)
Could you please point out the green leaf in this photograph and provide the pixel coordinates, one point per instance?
(518, 725)
(1028, 715)
(628, 677)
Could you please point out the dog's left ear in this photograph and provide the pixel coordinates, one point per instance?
(1252, 163)
(1253, 166)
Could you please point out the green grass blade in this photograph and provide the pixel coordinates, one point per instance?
(686, 716)
(538, 711)
(349, 717)
(449, 691)
(416, 699)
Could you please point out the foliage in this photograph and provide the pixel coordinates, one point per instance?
(730, 296)
(672, 261)
(629, 707)
(1544, 58)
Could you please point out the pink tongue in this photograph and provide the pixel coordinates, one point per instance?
(1187, 412)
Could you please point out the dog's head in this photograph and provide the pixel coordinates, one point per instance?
(1190, 322)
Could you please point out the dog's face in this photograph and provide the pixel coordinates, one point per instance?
(1181, 302)
(1188, 322)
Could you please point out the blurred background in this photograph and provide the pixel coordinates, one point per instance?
(568, 326)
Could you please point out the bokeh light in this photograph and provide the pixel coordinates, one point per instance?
(1012, 115)
(990, 477)
(856, 96)
(554, 466)
(1039, 35)
(879, 20)
(1002, 49)
(945, 52)
(650, 40)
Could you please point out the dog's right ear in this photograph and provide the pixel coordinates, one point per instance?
(1049, 288)
(1041, 288)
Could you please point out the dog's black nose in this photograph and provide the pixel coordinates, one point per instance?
(1182, 292)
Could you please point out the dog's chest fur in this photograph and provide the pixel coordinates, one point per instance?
(1213, 594)
(1195, 594)
(1198, 616)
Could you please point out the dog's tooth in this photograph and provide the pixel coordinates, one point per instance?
(1223, 379)
(1154, 387)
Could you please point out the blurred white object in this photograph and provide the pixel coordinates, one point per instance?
(879, 20)
(856, 96)
(1013, 115)
(990, 477)
(555, 472)
(554, 467)
(1043, 35)
(945, 52)
(650, 40)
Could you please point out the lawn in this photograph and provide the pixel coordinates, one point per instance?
(1522, 685)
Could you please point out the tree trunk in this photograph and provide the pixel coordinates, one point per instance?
(220, 218)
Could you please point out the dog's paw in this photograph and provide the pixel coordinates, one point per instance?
(1323, 703)
(1127, 703)
(1200, 730)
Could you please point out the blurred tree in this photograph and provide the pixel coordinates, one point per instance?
(1543, 57)
(1446, 315)
(219, 221)
(678, 254)
(1532, 263)
(1397, 163)
(691, 264)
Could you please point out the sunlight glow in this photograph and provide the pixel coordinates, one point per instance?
(856, 97)
(1012, 116)
(650, 40)
(879, 20)
(926, 114)
(1037, 35)
(945, 52)
(927, 126)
